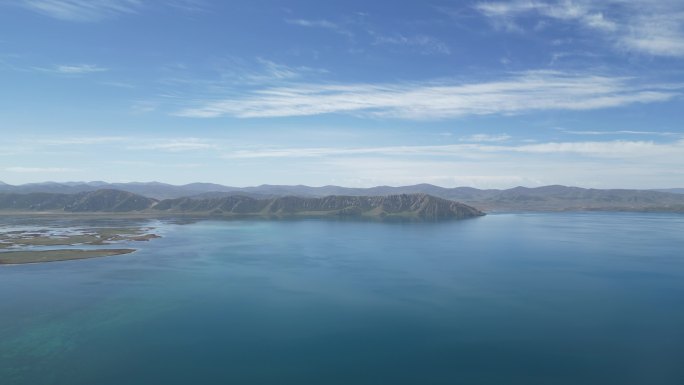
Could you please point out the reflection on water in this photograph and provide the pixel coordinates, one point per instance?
(505, 299)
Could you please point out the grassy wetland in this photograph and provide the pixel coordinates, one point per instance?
(20, 244)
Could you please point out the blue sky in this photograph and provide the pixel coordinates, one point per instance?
(455, 93)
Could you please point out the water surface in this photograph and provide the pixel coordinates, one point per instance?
(595, 298)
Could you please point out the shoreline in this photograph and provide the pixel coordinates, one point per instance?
(26, 257)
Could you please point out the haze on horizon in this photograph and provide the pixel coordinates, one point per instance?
(488, 94)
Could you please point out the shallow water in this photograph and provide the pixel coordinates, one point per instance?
(595, 298)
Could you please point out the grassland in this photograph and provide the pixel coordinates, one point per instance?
(48, 244)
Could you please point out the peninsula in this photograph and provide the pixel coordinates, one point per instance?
(35, 246)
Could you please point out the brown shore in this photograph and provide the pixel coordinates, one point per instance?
(24, 257)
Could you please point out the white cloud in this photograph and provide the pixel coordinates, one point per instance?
(74, 69)
(611, 149)
(79, 69)
(267, 71)
(313, 23)
(82, 10)
(320, 23)
(96, 10)
(658, 35)
(226, 75)
(647, 27)
(485, 138)
(273, 70)
(561, 10)
(118, 84)
(518, 93)
(178, 144)
(620, 132)
(175, 145)
(599, 149)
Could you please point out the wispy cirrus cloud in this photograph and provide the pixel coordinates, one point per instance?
(655, 34)
(320, 23)
(20, 63)
(97, 10)
(269, 71)
(647, 27)
(504, 14)
(485, 138)
(78, 69)
(175, 145)
(620, 132)
(228, 74)
(63, 69)
(82, 10)
(118, 143)
(518, 93)
(601, 149)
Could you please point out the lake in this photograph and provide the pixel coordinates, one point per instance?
(562, 298)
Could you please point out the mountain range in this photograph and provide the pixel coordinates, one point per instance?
(546, 198)
(420, 206)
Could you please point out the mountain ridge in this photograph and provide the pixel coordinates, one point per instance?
(520, 198)
(420, 206)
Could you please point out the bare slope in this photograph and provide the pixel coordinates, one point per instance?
(403, 205)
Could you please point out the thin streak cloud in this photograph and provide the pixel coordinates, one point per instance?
(609, 149)
(485, 138)
(79, 69)
(72, 69)
(82, 10)
(516, 94)
(176, 145)
(321, 23)
(98, 10)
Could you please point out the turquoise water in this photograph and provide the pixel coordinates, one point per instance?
(594, 298)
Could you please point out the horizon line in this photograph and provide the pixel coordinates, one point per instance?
(67, 183)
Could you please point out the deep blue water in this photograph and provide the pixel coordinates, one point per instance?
(595, 298)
